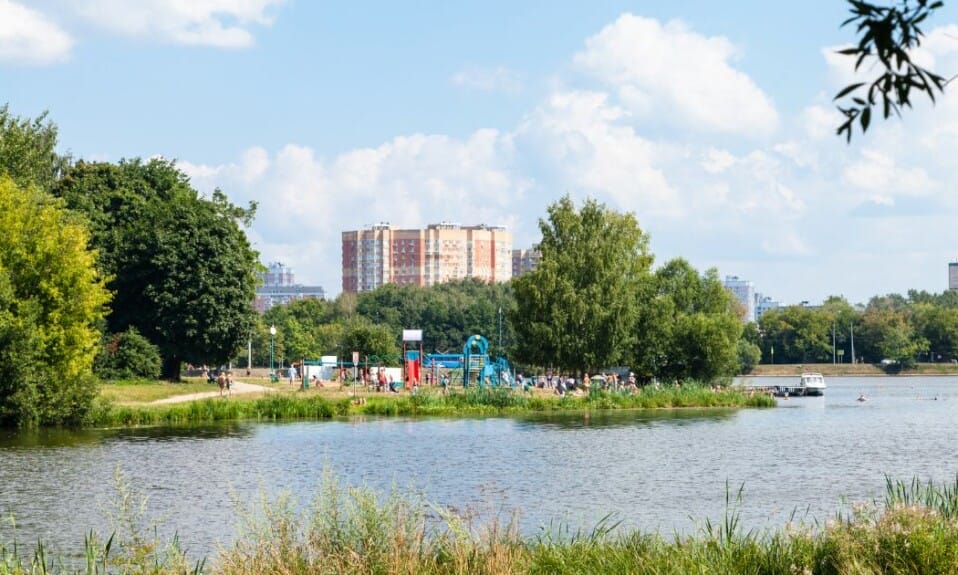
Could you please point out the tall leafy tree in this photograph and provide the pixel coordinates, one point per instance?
(888, 334)
(28, 150)
(798, 335)
(938, 326)
(701, 327)
(578, 309)
(180, 265)
(51, 302)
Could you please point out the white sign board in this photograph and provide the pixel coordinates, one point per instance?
(412, 335)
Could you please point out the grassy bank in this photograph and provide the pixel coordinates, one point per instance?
(472, 402)
(359, 531)
(859, 369)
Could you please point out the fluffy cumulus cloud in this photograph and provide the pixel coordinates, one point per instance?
(219, 23)
(797, 211)
(305, 202)
(30, 38)
(583, 143)
(669, 71)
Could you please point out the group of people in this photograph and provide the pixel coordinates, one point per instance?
(225, 381)
(562, 384)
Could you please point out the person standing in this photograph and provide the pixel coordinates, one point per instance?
(292, 374)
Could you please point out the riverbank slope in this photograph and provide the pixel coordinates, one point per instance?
(845, 369)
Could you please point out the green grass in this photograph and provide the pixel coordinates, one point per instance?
(472, 402)
(357, 530)
(145, 391)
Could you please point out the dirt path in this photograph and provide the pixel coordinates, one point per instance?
(238, 388)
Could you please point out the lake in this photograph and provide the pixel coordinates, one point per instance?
(662, 470)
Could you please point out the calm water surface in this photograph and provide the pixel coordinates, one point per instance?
(662, 471)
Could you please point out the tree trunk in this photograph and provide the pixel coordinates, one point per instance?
(171, 369)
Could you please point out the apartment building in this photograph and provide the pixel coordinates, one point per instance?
(524, 261)
(381, 254)
(278, 287)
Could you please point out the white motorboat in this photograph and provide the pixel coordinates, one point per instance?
(808, 384)
(812, 384)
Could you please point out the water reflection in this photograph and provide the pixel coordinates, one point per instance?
(228, 430)
(49, 438)
(624, 418)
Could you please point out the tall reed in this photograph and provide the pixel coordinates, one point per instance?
(353, 530)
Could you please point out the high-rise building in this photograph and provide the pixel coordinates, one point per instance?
(953, 275)
(382, 254)
(524, 261)
(744, 292)
(763, 303)
(279, 287)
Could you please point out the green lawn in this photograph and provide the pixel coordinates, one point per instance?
(142, 391)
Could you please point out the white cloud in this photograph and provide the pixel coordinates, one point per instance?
(583, 141)
(29, 37)
(717, 161)
(306, 202)
(672, 72)
(797, 213)
(219, 23)
(499, 79)
(881, 178)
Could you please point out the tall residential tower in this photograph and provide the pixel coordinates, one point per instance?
(381, 254)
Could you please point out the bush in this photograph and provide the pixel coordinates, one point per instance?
(127, 355)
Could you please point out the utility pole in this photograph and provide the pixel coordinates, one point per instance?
(833, 343)
(852, 327)
(500, 331)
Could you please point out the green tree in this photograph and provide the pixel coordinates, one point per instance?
(369, 339)
(888, 334)
(578, 309)
(749, 355)
(181, 268)
(798, 334)
(704, 327)
(842, 317)
(128, 354)
(51, 302)
(938, 326)
(28, 150)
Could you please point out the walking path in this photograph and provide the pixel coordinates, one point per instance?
(238, 388)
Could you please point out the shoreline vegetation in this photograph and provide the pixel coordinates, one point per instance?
(358, 530)
(283, 403)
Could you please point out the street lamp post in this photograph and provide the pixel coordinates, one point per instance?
(272, 334)
(500, 331)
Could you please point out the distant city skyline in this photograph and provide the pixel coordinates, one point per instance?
(705, 119)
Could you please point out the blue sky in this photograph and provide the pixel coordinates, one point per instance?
(711, 121)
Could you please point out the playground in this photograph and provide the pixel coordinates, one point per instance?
(471, 368)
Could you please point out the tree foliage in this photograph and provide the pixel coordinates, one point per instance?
(578, 309)
(181, 267)
(127, 355)
(51, 302)
(699, 333)
(888, 34)
(372, 322)
(28, 150)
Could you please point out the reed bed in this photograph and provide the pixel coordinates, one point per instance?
(356, 530)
